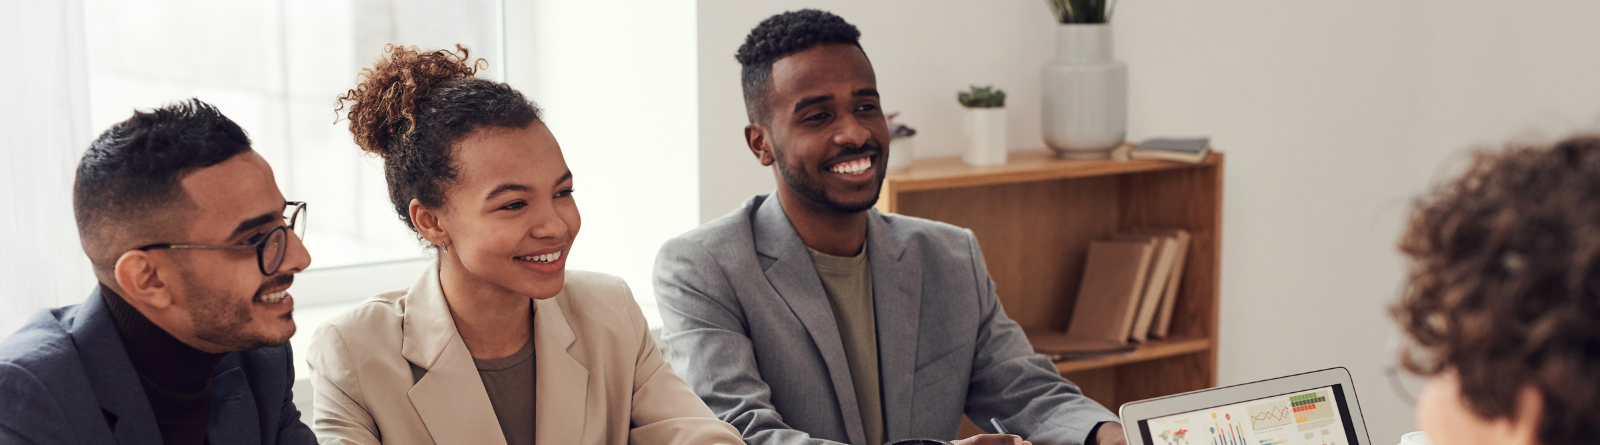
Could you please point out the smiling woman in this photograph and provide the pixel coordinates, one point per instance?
(497, 319)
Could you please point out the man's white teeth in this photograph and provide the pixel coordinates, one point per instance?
(546, 258)
(275, 296)
(852, 167)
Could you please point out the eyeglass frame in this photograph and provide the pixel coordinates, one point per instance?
(259, 246)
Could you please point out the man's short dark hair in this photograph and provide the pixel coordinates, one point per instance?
(128, 188)
(1504, 286)
(779, 36)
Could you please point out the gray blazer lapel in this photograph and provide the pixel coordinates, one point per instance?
(795, 280)
(233, 411)
(897, 299)
(116, 386)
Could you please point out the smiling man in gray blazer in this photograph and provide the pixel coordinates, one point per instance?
(807, 317)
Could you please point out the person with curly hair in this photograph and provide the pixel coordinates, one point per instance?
(808, 317)
(1502, 302)
(496, 343)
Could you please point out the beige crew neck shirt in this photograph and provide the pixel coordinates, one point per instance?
(848, 283)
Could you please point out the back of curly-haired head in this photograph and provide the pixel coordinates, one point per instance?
(1504, 286)
(779, 36)
(412, 106)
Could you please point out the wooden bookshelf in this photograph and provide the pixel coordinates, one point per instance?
(1034, 218)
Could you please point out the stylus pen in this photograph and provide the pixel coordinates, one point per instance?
(997, 428)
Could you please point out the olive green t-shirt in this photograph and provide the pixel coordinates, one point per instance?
(848, 282)
(510, 383)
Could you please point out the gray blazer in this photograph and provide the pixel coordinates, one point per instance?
(66, 379)
(749, 326)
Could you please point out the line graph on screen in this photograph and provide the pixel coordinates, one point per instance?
(1270, 415)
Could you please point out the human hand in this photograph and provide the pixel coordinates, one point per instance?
(993, 439)
(1110, 433)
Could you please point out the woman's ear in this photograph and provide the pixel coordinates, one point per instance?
(756, 137)
(427, 223)
(140, 278)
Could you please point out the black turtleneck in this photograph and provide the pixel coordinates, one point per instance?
(176, 377)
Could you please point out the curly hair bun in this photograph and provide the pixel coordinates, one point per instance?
(383, 106)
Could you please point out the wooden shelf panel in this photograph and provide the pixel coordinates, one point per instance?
(1022, 166)
(1151, 350)
(1034, 218)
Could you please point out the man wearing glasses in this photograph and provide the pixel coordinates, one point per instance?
(183, 341)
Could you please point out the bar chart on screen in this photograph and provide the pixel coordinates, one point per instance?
(1229, 434)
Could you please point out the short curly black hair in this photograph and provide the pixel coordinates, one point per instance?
(128, 190)
(1504, 286)
(413, 105)
(779, 36)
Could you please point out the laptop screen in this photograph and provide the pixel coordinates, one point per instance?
(1316, 416)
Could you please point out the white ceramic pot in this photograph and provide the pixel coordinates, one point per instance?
(986, 136)
(900, 154)
(1414, 438)
(1085, 94)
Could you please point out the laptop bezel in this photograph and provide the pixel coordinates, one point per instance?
(1132, 412)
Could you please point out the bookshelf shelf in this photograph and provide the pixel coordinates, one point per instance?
(1034, 218)
(1151, 350)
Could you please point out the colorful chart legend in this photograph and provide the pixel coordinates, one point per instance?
(1311, 406)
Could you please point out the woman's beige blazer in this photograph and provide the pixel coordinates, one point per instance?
(600, 379)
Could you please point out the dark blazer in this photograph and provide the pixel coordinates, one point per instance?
(748, 325)
(66, 379)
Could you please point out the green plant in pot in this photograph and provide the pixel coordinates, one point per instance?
(982, 97)
(985, 125)
(1085, 89)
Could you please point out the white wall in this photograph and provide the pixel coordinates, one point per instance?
(923, 53)
(616, 80)
(1333, 114)
(46, 125)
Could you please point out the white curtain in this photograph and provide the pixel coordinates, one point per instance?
(44, 129)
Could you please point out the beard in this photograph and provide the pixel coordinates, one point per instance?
(222, 319)
(810, 187)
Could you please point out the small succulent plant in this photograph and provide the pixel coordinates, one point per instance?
(982, 97)
(899, 129)
(1082, 11)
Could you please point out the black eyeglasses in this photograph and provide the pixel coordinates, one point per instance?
(272, 246)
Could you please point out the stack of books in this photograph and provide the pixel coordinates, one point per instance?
(1191, 150)
(1130, 283)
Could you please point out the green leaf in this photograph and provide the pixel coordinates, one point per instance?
(982, 97)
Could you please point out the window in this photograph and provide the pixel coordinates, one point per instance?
(617, 81)
(276, 68)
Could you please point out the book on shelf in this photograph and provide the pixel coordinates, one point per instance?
(1161, 262)
(1189, 150)
(1057, 346)
(1162, 322)
(1108, 300)
(1126, 297)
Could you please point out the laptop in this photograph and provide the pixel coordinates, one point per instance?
(1314, 408)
